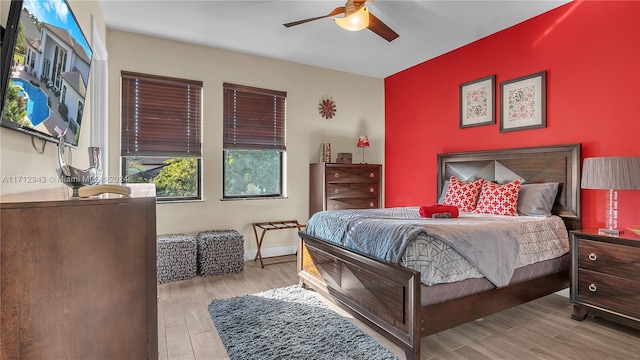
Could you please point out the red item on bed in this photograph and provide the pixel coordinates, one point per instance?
(431, 210)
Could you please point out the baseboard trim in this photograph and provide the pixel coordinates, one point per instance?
(271, 251)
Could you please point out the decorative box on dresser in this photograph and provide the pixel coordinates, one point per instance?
(78, 276)
(605, 276)
(344, 186)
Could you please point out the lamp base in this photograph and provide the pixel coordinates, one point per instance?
(609, 232)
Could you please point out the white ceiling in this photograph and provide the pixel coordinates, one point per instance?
(427, 29)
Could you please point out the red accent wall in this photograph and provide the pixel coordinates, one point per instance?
(591, 52)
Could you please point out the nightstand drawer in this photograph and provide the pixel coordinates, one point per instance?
(337, 191)
(613, 259)
(609, 291)
(371, 203)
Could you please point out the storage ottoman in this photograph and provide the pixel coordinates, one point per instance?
(220, 252)
(177, 256)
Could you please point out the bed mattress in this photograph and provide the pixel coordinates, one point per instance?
(440, 293)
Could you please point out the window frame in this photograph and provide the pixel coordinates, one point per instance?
(278, 134)
(174, 150)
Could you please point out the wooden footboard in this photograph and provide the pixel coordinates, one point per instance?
(384, 296)
(387, 296)
(443, 316)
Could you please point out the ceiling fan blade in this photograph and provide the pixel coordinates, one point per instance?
(336, 11)
(380, 28)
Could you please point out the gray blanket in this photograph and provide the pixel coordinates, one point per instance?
(490, 244)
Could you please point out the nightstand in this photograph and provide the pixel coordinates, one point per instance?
(605, 276)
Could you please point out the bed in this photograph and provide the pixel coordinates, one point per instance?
(391, 299)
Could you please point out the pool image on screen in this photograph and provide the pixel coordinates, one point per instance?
(48, 74)
(37, 108)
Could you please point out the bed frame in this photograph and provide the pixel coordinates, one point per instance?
(387, 296)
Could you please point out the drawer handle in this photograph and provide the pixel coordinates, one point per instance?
(371, 205)
(592, 288)
(593, 257)
(336, 206)
(371, 190)
(336, 191)
(372, 175)
(336, 175)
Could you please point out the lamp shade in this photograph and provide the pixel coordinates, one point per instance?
(355, 21)
(614, 172)
(363, 141)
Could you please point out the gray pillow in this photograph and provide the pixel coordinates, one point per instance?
(444, 192)
(537, 199)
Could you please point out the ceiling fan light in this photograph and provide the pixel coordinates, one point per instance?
(356, 21)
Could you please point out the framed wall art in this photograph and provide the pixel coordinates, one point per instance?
(477, 102)
(524, 103)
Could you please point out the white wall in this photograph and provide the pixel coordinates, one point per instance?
(19, 162)
(360, 110)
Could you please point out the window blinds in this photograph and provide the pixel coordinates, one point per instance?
(254, 118)
(161, 116)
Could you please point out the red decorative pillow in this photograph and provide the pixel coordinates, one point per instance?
(499, 199)
(462, 195)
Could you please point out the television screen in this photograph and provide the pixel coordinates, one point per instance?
(46, 63)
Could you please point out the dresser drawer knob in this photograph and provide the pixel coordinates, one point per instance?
(592, 288)
(593, 257)
(371, 204)
(372, 175)
(336, 175)
(371, 190)
(336, 191)
(336, 207)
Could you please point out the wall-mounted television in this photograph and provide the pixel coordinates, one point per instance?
(46, 61)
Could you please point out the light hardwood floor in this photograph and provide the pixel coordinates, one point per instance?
(541, 329)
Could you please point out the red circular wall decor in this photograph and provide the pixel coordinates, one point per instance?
(326, 107)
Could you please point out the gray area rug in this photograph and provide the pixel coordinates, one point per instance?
(289, 323)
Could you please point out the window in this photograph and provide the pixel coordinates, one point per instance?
(161, 134)
(254, 142)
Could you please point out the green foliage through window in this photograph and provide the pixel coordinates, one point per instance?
(252, 173)
(174, 177)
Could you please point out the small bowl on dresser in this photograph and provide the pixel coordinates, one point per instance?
(635, 229)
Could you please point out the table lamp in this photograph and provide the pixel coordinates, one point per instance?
(611, 173)
(363, 142)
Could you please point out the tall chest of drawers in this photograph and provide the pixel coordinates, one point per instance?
(344, 186)
(605, 276)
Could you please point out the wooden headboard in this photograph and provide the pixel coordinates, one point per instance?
(559, 163)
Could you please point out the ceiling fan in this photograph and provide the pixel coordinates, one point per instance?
(356, 17)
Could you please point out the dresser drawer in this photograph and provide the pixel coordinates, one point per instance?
(355, 203)
(353, 174)
(609, 291)
(338, 191)
(613, 259)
